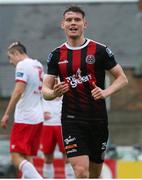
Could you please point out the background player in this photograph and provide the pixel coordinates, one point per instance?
(52, 136)
(28, 117)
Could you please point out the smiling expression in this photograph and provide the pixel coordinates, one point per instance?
(74, 25)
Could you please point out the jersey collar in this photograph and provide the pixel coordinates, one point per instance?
(79, 47)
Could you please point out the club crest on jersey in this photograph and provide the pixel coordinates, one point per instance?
(90, 59)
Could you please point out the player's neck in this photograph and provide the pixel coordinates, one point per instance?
(24, 56)
(76, 42)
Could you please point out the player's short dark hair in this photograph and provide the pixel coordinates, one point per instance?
(76, 9)
(17, 46)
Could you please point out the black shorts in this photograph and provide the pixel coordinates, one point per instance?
(85, 138)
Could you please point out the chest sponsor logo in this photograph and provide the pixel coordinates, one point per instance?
(77, 78)
(90, 59)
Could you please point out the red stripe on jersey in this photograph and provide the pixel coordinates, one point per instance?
(63, 61)
(76, 60)
(76, 66)
(90, 60)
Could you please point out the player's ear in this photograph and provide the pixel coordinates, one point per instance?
(62, 24)
(85, 24)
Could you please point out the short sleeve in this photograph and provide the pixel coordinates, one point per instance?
(52, 63)
(109, 59)
(20, 73)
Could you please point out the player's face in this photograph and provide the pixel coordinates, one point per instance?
(12, 58)
(73, 25)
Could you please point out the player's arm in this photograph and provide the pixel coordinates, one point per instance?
(52, 88)
(16, 94)
(120, 79)
(117, 72)
(47, 87)
(119, 82)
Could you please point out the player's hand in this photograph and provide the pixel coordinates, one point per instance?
(97, 92)
(60, 88)
(4, 121)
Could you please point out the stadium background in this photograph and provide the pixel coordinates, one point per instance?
(114, 23)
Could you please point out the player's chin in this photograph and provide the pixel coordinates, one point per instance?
(74, 36)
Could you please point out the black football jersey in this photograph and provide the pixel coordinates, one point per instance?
(81, 67)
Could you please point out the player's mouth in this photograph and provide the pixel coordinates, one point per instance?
(73, 30)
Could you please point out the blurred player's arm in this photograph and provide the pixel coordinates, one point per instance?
(52, 88)
(16, 94)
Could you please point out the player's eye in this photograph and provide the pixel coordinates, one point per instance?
(77, 19)
(69, 19)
